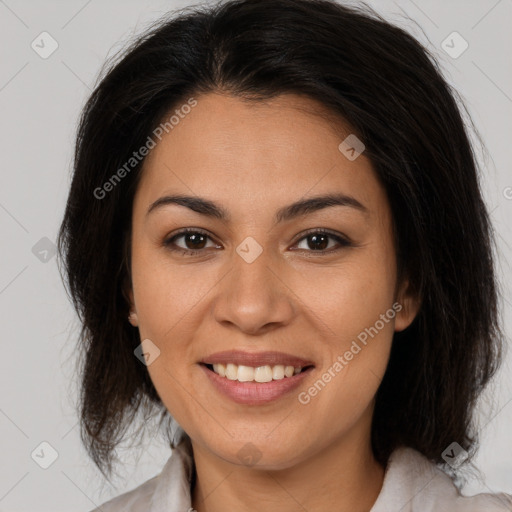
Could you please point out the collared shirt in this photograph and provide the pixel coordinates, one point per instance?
(411, 484)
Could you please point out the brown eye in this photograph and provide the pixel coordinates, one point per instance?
(319, 240)
(193, 241)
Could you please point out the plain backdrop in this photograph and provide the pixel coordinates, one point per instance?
(40, 100)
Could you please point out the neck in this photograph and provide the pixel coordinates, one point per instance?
(343, 476)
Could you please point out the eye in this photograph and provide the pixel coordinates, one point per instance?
(317, 240)
(194, 240)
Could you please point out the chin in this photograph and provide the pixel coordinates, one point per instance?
(265, 454)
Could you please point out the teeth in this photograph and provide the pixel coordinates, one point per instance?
(260, 374)
(220, 369)
(232, 371)
(278, 372)
(245, 373)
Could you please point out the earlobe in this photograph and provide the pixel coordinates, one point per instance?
(132, 318)
(410, 305)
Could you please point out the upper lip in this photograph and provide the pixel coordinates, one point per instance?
(256, 359)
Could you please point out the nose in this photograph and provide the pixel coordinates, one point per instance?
(253, 297)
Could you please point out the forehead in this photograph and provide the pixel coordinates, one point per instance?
(227, 148)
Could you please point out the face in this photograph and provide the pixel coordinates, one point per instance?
(253, 275)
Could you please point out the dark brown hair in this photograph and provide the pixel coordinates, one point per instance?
(389, 89)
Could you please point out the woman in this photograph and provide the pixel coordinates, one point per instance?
(275, 237)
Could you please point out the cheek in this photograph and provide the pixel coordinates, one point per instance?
(350, 297)
(353, 306)
(166, 299)
(360, 325)
(165, 294)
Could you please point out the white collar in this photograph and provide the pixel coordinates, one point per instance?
(172, 492)
(411, 484)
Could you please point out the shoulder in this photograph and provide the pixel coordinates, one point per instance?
(169, 490)
(135, 500)
(412, 483)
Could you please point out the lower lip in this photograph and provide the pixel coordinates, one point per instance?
(255, 393)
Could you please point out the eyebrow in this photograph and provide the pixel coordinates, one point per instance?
(301, 207)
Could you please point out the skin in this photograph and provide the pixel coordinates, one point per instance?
(253, 159)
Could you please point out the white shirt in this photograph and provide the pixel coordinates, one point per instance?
(411, 484)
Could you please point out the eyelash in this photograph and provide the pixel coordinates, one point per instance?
(344, 242)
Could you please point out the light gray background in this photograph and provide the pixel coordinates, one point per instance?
(40, 101)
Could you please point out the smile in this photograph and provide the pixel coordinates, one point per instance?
(265, 373)
(252, 392)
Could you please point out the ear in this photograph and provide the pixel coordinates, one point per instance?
(410, 305)
(132, 317)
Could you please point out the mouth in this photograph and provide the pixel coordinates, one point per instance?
(255, 378)
(255, 366)
(259, 374)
